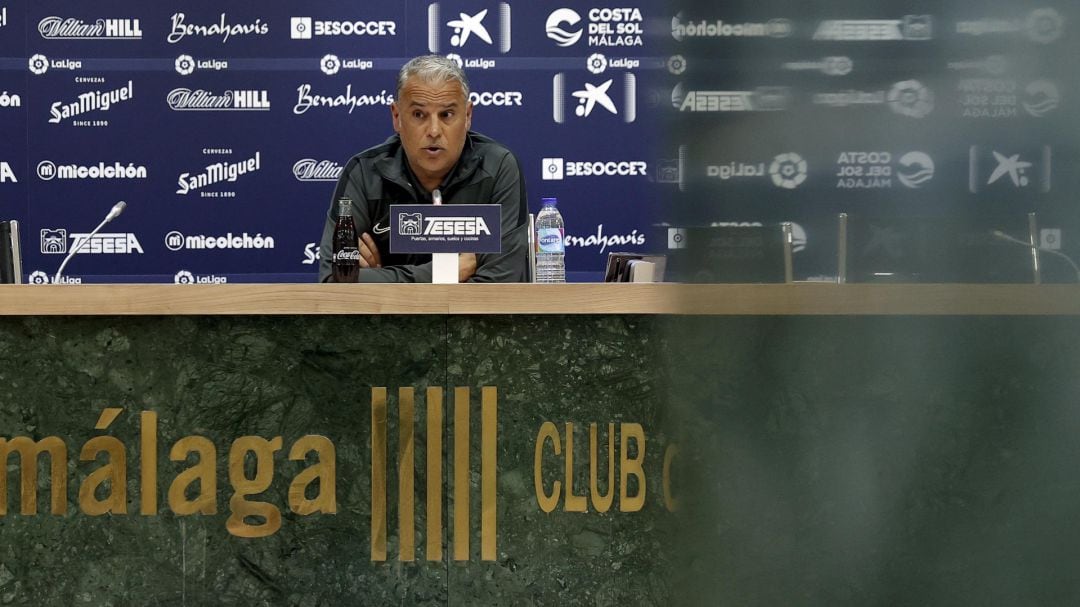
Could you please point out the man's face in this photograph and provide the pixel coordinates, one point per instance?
(432, 120)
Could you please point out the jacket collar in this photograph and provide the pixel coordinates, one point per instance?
(393, 166)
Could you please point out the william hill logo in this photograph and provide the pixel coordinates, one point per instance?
(54, 28)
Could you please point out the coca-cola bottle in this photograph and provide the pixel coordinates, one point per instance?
(346, 260)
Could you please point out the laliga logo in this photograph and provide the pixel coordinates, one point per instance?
(554, 26)
(911, 98)
(185, 65)
(788, 171)
(183, 277)
(39, 64)
(330, 64)
(38, 277)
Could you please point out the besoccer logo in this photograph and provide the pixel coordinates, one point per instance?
(555, 26)
(183, 277)
(39, 64)
(185, 65)
(788, 171)
(330, 64)
(911, 98)
(300, 28)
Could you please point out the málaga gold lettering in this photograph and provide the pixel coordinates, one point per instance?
(29, 451)
(148, 472)
(323, 472)
(204, 472)
(240, 508)
(113, 472)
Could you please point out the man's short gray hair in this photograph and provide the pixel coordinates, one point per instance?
(433, 69)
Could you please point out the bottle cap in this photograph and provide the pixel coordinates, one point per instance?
(551, 201)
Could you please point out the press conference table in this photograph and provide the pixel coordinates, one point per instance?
(582, 299)
(762, 431)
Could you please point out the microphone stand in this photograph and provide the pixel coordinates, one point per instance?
(113, 214)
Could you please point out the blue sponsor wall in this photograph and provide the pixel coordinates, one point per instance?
(223, 125)
(702, 112)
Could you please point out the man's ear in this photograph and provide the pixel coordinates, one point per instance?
(468, 116)
(395, 117)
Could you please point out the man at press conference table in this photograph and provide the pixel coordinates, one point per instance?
(433, 149)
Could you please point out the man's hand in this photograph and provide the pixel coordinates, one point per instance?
(466, 266)
(369, 253)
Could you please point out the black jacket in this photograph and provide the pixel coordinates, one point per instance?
(486, 173)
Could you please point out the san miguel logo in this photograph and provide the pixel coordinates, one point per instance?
(194, 490)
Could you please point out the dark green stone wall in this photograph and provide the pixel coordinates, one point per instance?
(821, 461)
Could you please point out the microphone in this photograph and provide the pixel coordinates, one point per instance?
(436, 196)
(1009, 239)
(113, 214)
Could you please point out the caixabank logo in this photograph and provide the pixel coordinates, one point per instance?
(593, 98)
(1009, 169)
(71, 28)
(469, 29)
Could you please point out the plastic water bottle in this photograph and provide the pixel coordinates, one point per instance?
(550, 265)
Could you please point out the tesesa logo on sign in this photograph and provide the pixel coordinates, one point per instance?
(469, 26)
(447, 228)
(55, 28)
(310, 169)
(787, 171)
(605, 27)
(218, 172)
(201, 100)
(681, 29)
(222, 28)
(1006, 169)
(305, 100)
(594, 96)
(54, 241)
(175, 241)
(303, 28)
(93, 101)
(555, 169)
(1043, 25)
(184, 277)
(47, 170)
(911, 27)
(762, 99)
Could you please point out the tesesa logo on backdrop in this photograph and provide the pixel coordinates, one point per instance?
(184, 277)
(303, 28)
(787, 171)
(306, 100)
(54, 241)
(594, 96)
(607, 26)
(92, 101)
(470, 27)
(908, 98)
(176, 241)
(911, 27)
(762, 99)
(875, 169)
(331, 64)
(39, 64)
(219, 172)
(560, 168)
(57, 28)
(1007, 169)
(201, 100)
(1001, 98)
(222, 28)
(681, 29)
(186, 65)
(6, 174)
(1042, 25)
(310, 169)
(47, 170)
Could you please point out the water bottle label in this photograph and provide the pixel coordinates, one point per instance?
(549, 240)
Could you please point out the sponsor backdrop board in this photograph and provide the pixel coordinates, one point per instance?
(224, 125)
